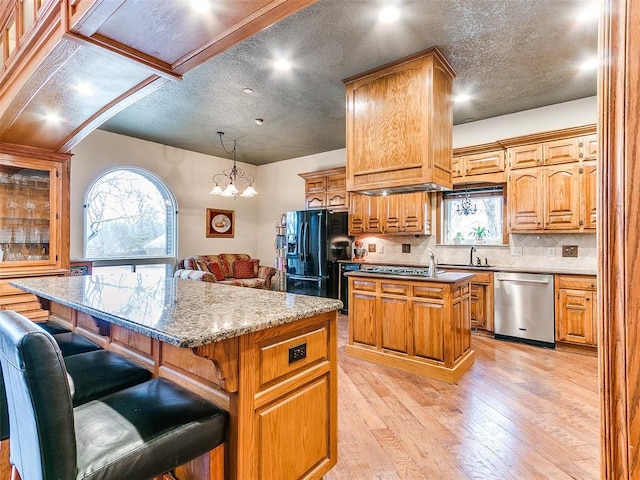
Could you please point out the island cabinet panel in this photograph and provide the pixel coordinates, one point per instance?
(395, 316)
(428, 330)
(399, 127)
(418, 326)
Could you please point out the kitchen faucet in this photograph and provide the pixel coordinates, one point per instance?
(473, 249)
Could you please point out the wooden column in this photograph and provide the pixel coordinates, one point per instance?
(618, 226)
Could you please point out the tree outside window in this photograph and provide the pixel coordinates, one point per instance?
(129, 213)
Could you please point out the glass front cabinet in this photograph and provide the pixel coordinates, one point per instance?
(34, 215)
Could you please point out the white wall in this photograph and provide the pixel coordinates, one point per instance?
(188, 175)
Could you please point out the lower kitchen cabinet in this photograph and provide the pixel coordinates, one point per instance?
(417, 326)
(481, 299)
(576, 310)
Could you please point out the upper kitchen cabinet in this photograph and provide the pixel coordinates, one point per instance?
(399, 125)
(398, 214)
(326, 189)
(479, 164)
(121, 49)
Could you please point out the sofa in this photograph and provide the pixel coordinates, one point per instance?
(226, 268)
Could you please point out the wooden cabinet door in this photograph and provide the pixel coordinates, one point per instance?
(525, 200)
(575, 322)
(478, 306)
(358, 211)
(589, 195)
(481, 163)
(315, 200)
(412, 209)
(561, 151)
(394, 315)
(525, 156)
(373, 220)
(315, 184)
(457, 167)
(562, 198)
(428, 330)
(337, 201)
(336, 181)
(588, 147)
(391, 207)
(364, 318)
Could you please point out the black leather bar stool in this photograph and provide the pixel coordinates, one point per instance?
(91, 371)
(136, 433)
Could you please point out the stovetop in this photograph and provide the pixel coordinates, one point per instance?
(407, 271)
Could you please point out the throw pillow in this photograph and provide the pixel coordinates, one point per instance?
(202, 265)
(214, 267)
(245, 268)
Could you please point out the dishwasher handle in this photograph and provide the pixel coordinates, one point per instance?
(521, 280)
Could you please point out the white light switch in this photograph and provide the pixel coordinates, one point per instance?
(551, 252)
(516, 251)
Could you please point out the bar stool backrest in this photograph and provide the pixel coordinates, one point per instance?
(43, 445)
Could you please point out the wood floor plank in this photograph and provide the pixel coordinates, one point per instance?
(520, 412)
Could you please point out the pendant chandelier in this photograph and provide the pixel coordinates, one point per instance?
(466, 206)
(230, 182)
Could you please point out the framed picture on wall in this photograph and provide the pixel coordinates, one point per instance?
(220, 223)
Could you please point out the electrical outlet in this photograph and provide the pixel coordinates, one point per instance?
(406, 248)
(569, 250)
(551, 252)
(420, 249)
(372, 247)
(298, 352)
(516, 251)
(381, 249)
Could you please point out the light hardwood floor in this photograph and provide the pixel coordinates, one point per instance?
(521, 412)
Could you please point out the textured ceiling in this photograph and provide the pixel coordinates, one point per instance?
(511, 55)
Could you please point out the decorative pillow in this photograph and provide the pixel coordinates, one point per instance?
(245, 268)
(214, 267)
(202, 265)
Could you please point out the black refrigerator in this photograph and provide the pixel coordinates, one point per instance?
(316, 240)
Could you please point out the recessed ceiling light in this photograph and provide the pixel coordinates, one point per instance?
(259, 121)
(84, 88)
(463, 97)
(52, 117)
(590, 12)
(200, 5)
(247, 90)
(590, 64)
(389, 14)
(282, 64)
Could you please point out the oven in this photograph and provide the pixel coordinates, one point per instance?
(344, 283)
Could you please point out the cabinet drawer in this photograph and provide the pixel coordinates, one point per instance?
(428, 292)
(394, 289)
(364, 286)
(576, 282)
(276, 360)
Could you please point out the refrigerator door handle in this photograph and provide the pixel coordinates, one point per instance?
(319, 253)
(303, 242)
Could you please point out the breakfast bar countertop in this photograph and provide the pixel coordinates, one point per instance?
(179, 312)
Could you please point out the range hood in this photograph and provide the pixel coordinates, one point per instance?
(425, 187)
(400, 126)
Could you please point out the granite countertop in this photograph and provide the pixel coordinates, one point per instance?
(492, 268)
(184, 313)
(441, 278)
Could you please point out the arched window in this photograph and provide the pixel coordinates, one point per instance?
(130, 222)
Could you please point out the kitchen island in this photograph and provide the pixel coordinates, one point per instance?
(412, 322)
(268, 358)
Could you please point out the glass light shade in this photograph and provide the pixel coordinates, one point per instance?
(216, 190)
(230, 191)
(249, 192)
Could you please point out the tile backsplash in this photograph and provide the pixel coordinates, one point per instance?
(529, 250)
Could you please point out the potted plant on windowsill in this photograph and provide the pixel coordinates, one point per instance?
(458, 239)
(479, 233)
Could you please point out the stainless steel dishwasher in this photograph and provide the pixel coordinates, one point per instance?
(524, 308)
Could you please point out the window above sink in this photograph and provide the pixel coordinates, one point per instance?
(473, 216)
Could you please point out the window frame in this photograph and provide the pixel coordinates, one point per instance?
(460, 188)
(134, 260)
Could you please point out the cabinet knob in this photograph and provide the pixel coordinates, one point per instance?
(587, 299)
